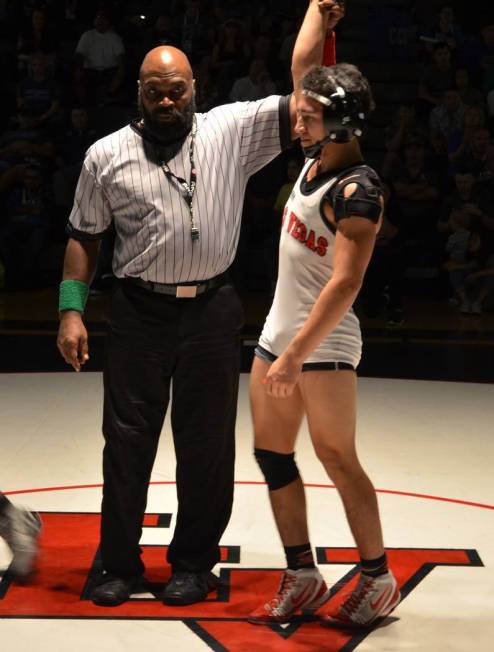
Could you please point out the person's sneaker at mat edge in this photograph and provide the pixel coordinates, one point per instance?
(373, 598)
(300, 590)
(20, 529)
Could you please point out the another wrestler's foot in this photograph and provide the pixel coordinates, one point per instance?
(187, 587)
(372, 599)
(20, 529)
(300, 590)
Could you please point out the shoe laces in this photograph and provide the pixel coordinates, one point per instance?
(353, 602)
(286, 585)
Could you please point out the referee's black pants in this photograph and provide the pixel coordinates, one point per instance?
(155, 340)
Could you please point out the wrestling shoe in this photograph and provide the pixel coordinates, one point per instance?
(20, 529)
(373, 598)
(300, 590)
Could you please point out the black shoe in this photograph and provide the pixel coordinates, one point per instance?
(186, 587)
(113, 590)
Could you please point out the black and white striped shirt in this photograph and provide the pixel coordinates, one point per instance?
(121, 182)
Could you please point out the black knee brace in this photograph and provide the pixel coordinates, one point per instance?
(279, 469)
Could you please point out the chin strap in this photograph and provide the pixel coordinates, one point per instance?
(314, 151)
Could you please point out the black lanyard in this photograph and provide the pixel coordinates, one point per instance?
(188, 189)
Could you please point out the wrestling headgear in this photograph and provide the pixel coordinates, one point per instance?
(343, 116)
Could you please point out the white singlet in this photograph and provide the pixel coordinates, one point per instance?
(305, 266)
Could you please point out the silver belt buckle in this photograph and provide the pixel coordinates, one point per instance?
(186, 291)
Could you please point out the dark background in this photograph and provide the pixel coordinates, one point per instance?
(427, 303)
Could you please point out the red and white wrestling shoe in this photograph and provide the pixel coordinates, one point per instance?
(301, 590)
(373, 598)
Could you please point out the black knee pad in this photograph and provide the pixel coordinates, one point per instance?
(279, 469)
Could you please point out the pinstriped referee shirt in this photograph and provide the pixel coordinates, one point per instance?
(122, 184)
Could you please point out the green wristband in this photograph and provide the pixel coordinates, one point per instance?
(73, 296)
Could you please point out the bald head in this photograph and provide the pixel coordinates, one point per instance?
(166, 93)
(165, 62)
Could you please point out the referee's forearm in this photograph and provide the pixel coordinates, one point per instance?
(80, 260)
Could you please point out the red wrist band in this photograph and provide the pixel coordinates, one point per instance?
(329, 55)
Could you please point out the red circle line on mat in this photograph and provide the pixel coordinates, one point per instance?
(392, 492)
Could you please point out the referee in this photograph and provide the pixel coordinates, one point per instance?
(172, 185)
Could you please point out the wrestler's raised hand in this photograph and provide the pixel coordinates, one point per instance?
(335, 10)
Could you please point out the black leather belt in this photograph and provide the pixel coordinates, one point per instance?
(327, 366)
(180, 290)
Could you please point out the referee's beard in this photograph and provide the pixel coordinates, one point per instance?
(172, 131)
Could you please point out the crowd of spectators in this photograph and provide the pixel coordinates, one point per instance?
(69, 78)
(439, 171)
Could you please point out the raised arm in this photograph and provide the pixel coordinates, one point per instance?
(315, 43)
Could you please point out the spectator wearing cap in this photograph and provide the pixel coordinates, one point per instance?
(99, 67)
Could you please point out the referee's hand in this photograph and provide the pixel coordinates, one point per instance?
(72, 339)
